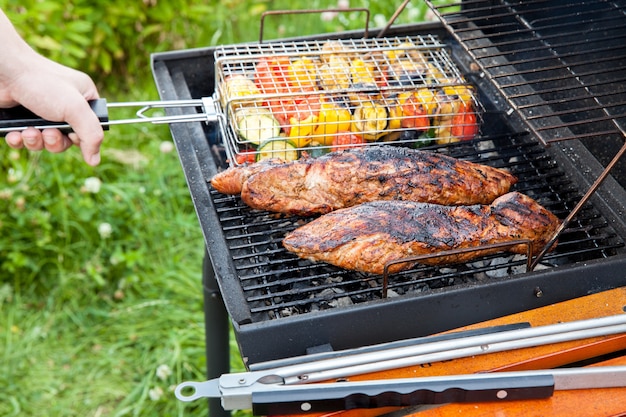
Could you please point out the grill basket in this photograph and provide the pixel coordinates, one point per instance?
(297, 98)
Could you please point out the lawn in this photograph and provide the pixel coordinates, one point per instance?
(100, 268)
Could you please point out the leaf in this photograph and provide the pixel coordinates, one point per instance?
(46, 42)
(105, 61)
(80, 26)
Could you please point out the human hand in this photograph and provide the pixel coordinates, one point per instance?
(52, 91)
(55, 93)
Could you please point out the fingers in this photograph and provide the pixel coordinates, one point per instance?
(88, 135)
(35, 140)
(55, 141)
(14, 140)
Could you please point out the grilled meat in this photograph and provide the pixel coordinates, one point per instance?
(230, 181)
(311, 186)
(366, 237)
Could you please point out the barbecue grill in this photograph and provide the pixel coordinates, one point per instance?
(549, 77)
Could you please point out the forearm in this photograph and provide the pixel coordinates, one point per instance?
(12, 42)
(15, 55)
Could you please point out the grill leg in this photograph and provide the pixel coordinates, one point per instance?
(216, 333)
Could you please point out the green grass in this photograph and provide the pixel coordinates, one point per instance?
(89, 322)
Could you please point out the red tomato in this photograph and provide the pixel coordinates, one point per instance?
(289, 109)
(245, 157)
(464, 124)
(281, 108)
(270, 74)
(344, 140)
(305, 107)
(414, 114)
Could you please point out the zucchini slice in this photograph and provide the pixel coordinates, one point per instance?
(256, 125)
(370, 119)
(277, 148)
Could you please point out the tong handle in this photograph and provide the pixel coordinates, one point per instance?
(344, 396)
(19, 118)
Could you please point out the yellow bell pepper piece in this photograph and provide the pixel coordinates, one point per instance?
(333, 118)
(301, 133)
(465, 93)
(302, 73)
(362, 72)
(426, 97)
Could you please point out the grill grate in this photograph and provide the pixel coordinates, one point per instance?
(278, 284)
(562, 68)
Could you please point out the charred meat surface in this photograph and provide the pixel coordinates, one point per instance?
(312, 186)
(231, 180)
(366, 237)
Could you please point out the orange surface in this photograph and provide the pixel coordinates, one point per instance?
(598, 402)
(580, 403)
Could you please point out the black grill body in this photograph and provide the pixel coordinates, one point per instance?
(283, 307)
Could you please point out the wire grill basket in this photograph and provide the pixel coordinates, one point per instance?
(305, 98)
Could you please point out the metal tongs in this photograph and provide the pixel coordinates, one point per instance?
(19, 118)
(282, 387)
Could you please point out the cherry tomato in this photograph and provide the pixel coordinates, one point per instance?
(290, 111)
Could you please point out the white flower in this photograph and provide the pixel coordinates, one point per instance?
(328, 16)
(6, 194)
(14, 176)
(105, 230)
(163, 371)
(166, 147)
(155, 393)
(92, 185)
(380, 20)
(430, 16)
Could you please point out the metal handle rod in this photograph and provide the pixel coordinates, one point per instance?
(476, 350)
(209, 114)
(394, 358)
(198, 117)
(158, 103)
(309, 11)
(393, 18)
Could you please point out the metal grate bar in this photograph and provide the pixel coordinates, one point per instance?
(549, 55)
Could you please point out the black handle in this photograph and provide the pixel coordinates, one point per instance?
(347, 395)
(21, 117)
